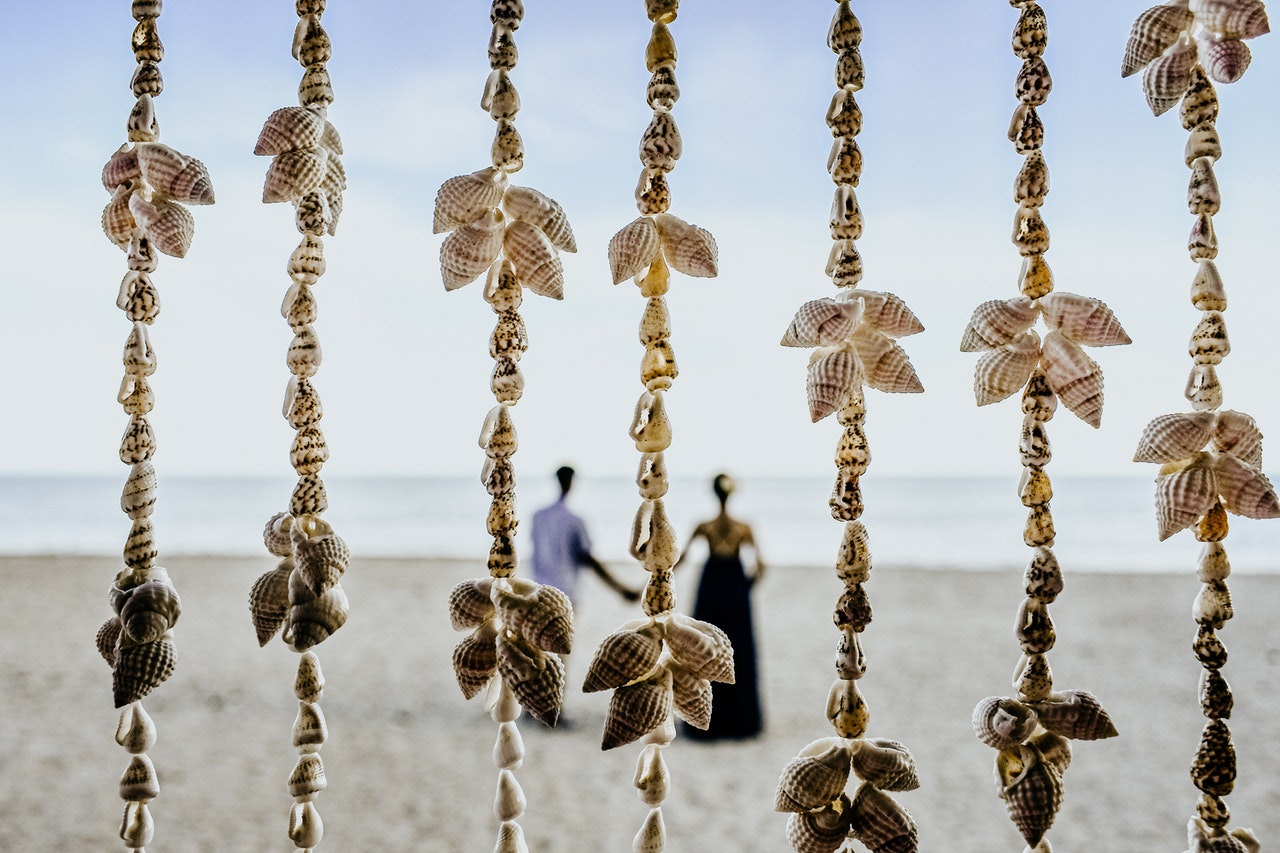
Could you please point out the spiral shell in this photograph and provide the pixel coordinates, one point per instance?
(1084, 320)
(536, 677)
(170, 227)
(691, 696)
(1244, 490)
(1213, 770)
(173, 174)
(1075, 378)
(637, 709)
(293, 174)
(120, 168)
(1239, 19)
(1031, 789)
(1200, 104)
(1226, 60)
(880, 823)
(542, 211)
(814, 778)
(536, 262)
(997, 323)
(1153, 32)
(885, 365)
(623, 656)
(1238, 434)
(475, 660)
(541, 615)
(1003, 723)
(470, 604)
(633, 248)
(117, 218)
(321, 556)
(832, 376)
(1076, 714)
(139, 782)
(136, 826)
(822, 831)
(886, 764)
(687, 248)
(822, 323)
(1003, 371)
(313, 618)
(149, 611)
(1169, 438)
(1168, 77)
(1216, 700)
(140, 668)
(700, 646)
(1184, 494)
(470, 249)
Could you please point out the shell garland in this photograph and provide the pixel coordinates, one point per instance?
(1210, 458)
(519, 629)
(854, 339)
(150, 185)
(1030, 730)
(302, 598)
(660, 667)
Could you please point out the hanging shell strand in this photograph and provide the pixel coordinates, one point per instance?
(519, 629)
(1210, 458)
(302, 598)
(150, 185)
(659, 667)
(854, 340)
(1031, 729)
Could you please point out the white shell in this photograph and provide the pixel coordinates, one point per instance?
(823, 323)
(1002, 372)
(997, 322)
(1074, 377)
(1084, 320)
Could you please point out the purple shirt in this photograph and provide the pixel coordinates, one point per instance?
(560, 543)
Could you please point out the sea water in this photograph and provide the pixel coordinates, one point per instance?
(1102, 524)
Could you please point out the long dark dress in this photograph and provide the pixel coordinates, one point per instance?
(724, 600)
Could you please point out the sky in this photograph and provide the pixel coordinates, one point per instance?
(406, 370)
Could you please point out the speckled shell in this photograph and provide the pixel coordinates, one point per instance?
(1240, 19)
(1184, 494)
(847, 709)
(1153, 32)
(1200, 104)
(1203, 195)
(310, 730)
(107, 638)
(1216, 701)
(1026, 130)
(1030, 233)
(149, 610)
(475, 660)
(312, 619)
(691, 696)
(535, 676)
(169, 226)
(1031, 186)
(498, 434)
(1084, 320)
(1003, 723)
(1238, 434)
(1075, 378)
(1169, 438)
(886, 764)
(1076, 714)
(997, 323)
(1244, 490)
(269, 601)
(320, 555)
(1203, 142)
(470, 249)
(1167, 78)
(1213, 769)
(463, 199)
(880, 823)
(536, 261)
(174, 175)
(687, 248)
(819, 832)
(661, 144)
(822, 323)
(653, 538)
(814, 778)
(1203, 390)
(1032, 790)
(529, 205)
(293, 174)
(623, 656)
(470, 604)
(700, 646)
(541, 614)
(140, 668)
(1209, 342)
(1004, 371)
(1033, 83)
(139, 782)
(633, 248)
(637, 709)
(832, 376)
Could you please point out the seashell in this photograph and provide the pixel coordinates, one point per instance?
(508, 748)
(1043, 578)
(470, 604)
(637, 709)
(1034, 628)
(652, 837)
(1213, 770)
(107, 638)
(1209, 342)
(852, 453)
(1035, 279)
(1002, 372)
(851, 662)
(169, 225)
(1184, 494)
(138, 444)
(660, 144)
(1240, 19)
(543, 616)
(822, 323)
(1208, 649)
(500, 702)
(140, 546)
(139, 495)
(1075, 378)
(1168, 77)
(1225, 60)
(315, 89)
(173, 174)
(305, 827)
(691, 696)
(311, 46)
(832, 376)
(1031, 186)
(293, 174)
(844, 264)
(633, 248)
(652, 778)
(465, 198)
(507, 151)
(509, 801)
(886, 313)
(149, 611)
(1200, 104)
(308, 684)
(1031, 34)
(1211, 811)
(147, 47)
(650, 427)
(623, 656)
(822, 831)
(847, 710)
(1207, 291)
(1244, 489)
(1033, 83)
(1203, 390)
(853, 563)
(498, 435)
(1215, 695)
(307, 777)
(140, 668)
(146, 8)
(1153, 33)
(687, 248)
(139, 782)
(656, 279)
(117, 217)
(661, 49)
(880, 823)
(312, 618)
(332, 140)
(502, 518)
(500, 98)
(655, 324)
(1076, 714)
(1212, 526)
(659, 595)
(1003, 723)
(1203, 142)
(511, 838)
(845, 31)
(305, 355)
(536, 677)
(1169, 438)
(704, 649)
(475, 660)
(498, 476)
(309, 450)
(844, 163)
(653, 539)
(1034, 487)
(846, 496)
(1034, 451)
(1238, 434)
(1213, 564)
(816, 777)
(663, 91)
(1039, 529)
(652, 477)
(653, 193)
(997, 323)
(886, 764)
(141, 125)
(137, 826)
(312, 214)
(853, 609)
(529, 205)
(1030, 234)
(471, 249)
(846, 217)
(1084, 320)
(1054, 750)
(1031, 789)
(537, 264)
(121, 168)
(1202, 191)
(1026, 131)
(507, 13)
(1038, 399)
(136, 731)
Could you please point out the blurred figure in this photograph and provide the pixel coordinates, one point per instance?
(561, 547)
(724, 600)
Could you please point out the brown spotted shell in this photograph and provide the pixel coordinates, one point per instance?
(1075, 378)
(886, 764)
(1076, 714)
(880, 823)
(822, 323)
(536, 677)
(541, 614)
(269, 601)
(816, 777)
(1169, 438)
(633, 248)
(529, 205)
(1031, 789)
(687, 248)
(1213, 770)
(997, 323)
(832, 375)
(475, 660)
(140, 668)
(1005, 370)
(1244, 490)
(1003, 723)
(623, 656)
(536, 261)
(637, 709)
(1184, 494)
(320, 555)
(1153, 32)
(700, 646)
(470, 604)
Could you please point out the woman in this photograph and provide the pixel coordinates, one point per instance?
(724, 600)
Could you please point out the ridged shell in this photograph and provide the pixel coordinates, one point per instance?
(1084, 320)
(169, 226)
(543, 616)
(293, 174)
(1238, 434)
(1003, 723)
(1225, 60)
(880, 823)
(822, 323)
(470, 604)
(1075, 378)
(691, 696)
(997, 323)
(1076, 714)
(1032, 790)
(687, 248)
(475, 660)
(886, 313)
(139, 782)
(819, 832)
(637, 709)
(107, 638)
(117, 218)
(831, 377)
(529, 205)
(652, 837)
(1244, 490)
(470, 250)
(1004, 371)
(140, 668)
(536, 261)
(1185, 494)
(120, 168)
(633, 248)
(307, 776)
(701, 647)
(1213, 770)
(623, 656)
(814, 778)
(1169, 438)
(150, 610)
(1168, 77)
(269, 601)
(312, 619)
(1153, 32)
(536, 677)
(275, 534)
(886, 764)
(1240, 19)
(175, 175)
(466, 197)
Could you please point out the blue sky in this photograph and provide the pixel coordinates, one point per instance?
(405, 376)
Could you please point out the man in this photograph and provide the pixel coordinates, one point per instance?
(561, 547)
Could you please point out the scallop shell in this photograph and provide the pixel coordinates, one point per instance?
(542, 616)
(997, 323)
(1169, 438)
(465, 198)
(1244, 489)
(1168, 77)
(1004, 371)
(822, 831)
(174, 175)
(169, 225)
(536, 678)
(1213, 770)
(1209, 342)
(814, 778)
(880, 823)
(1238, 434)
(1031, 186)
(701, 647)
(822, 323)
(529, 205)
(691, 696)
(312, 619)
(107, 638)
(1032, 790)
(886, 764)
(637, 709)
(470, 250)
(1084, 320)
(633, 248)
(623, 656)
(1240, 19)
(140, 668)
(1003, 723)
(650, 427)
(1075, 378)
(687, 248)
(832, 376)
(1076, 714)
(139, 782)
(885, 312)
(470, 604)
(1185, 494)
(536, 261)
(1153, 33)
(293, 174)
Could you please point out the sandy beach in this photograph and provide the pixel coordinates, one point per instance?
(408, 760)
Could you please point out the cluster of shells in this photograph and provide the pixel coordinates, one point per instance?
(1210, 458)
(853, 336)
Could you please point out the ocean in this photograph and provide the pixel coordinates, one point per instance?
(1103, 525)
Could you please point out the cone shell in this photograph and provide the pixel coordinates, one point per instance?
(470, 604)
(1032, 790)
(136, 731)
(321, 556)
(1214, 768)
(529, 205)
(1240, 19)
(886, 764)
(1076, 714)
(885, 364)
(1084, 320)
(814, 778)
(652, 778)
(1200, 104)
(623, 656)
(687, 248)
(170, 227)
(140, 668)
(691, 696)
(1031, 186)
(1153, 32)
(174, 175)
(633, 248)
(997, 323)
(1244, 490)
(269, 601)
(1004, 371)
(1203, 142)
(880, 823)
(543, 617)
(847, 709)
(471, 249)
(1184, 495)
(822, 323)
(1003, 723)
(1238, 434)
(701, 647)
(139, 782)
(823, 831)
(310, 730)
(1075, 378)
(1168, 77)
(1216, 700)
(1170, 438)
(637, 709)
(536, 678)
(536, 261)
(308, 683)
